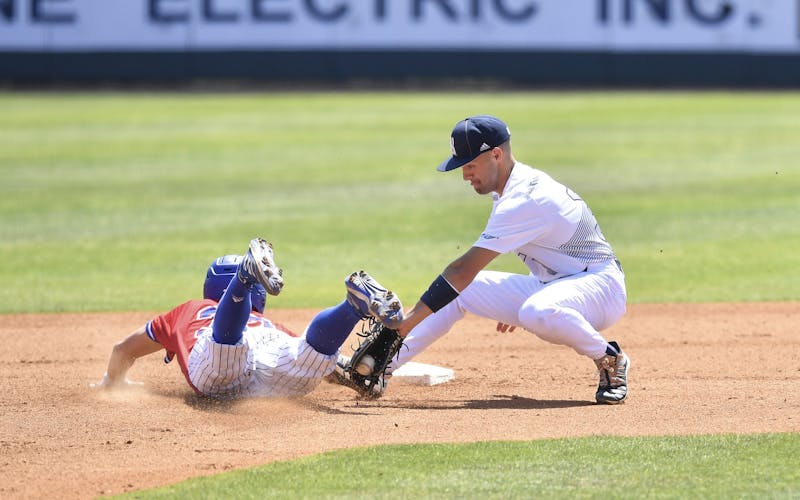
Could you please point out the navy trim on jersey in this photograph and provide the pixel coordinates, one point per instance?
(149, 330)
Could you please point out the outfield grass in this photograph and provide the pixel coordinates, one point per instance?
(702, 467)
(120, 201)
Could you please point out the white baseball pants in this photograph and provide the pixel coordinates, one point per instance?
(265, 363)
(569, 311)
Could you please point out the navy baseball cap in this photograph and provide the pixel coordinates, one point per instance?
(473, 136)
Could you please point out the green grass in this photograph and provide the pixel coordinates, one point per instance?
(721, 466)
(119, 201)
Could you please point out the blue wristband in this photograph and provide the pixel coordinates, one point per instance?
(439, 294)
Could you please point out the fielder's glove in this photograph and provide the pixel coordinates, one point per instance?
(366, 371)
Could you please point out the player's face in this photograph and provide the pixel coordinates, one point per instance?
(482, 172)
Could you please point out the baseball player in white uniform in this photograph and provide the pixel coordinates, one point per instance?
(227, 349)
(575, 288)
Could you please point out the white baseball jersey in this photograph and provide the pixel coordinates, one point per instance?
(575, 288)
(549, 227)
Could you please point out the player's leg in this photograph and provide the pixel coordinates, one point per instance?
(365, 298)
(330, 328)
(426, 333)
(494, 295)
(571, 311)
(257, 267)
(498, 295)
(232, 313)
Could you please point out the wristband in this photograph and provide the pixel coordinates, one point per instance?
(439, 294)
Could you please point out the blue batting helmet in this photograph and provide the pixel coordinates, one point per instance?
(219, 276)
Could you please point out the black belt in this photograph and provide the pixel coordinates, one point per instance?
(617, 262)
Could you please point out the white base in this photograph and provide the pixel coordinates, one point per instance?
(423, 374)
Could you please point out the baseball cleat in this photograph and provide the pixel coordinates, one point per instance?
(344, 375)
(613, 368)
(258, 266)
(372, 300)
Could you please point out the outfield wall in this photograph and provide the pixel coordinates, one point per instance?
(539, 42)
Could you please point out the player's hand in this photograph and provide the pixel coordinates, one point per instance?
(106, 383)
(504, 327)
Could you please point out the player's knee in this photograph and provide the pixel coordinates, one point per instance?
(538, 318)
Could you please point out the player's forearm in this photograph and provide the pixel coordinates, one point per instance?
(413, 317)
(440, 293)
(125, 353)
(460, 273)
(446, 287)
(119, 363)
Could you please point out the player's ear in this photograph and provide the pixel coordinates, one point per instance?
(498, 153)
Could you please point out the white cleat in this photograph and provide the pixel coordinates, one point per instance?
(372, 300)
(258, 266)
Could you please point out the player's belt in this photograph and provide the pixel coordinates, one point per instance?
(603, 263)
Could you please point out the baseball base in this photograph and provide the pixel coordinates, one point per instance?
(423, 374)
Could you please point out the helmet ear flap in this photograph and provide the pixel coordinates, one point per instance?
(219, 276)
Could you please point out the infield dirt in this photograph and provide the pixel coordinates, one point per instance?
(696, 369)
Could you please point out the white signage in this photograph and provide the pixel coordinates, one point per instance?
(591, 25)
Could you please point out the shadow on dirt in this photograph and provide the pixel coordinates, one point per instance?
(205, 403)
(502, 402)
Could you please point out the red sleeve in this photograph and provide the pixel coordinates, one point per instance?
(285, 330)
(177, 329)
